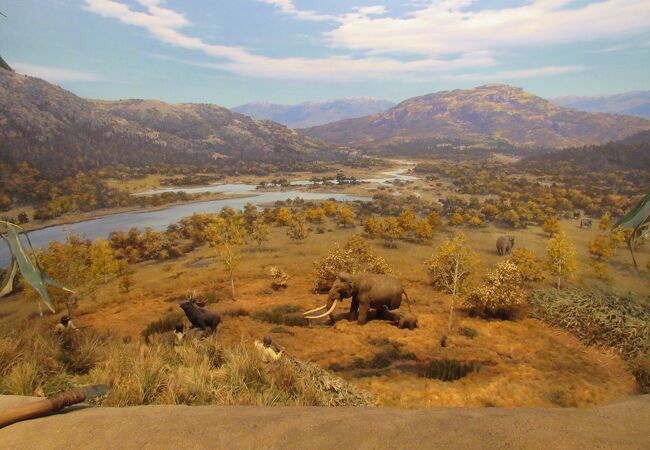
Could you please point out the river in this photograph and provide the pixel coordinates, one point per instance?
(159, 219)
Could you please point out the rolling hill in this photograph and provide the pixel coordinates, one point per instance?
(310, 114)
(631, 153)
(491, 115)
(59, 132)
(635, 103)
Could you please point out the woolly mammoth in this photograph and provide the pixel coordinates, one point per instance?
(367, 290)
(585, 223)
(505, 244)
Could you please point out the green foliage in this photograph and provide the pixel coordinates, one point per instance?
(598, 318)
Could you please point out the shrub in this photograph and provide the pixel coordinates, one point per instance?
(599, 318)
(501, 296)
(235, 312)
(468, 332)
(355, 257)
(280, 278)
(166, 323)
(640, 367)
(282, 315)
(530, 266)
(447, 369)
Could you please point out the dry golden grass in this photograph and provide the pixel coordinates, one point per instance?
(523, 363)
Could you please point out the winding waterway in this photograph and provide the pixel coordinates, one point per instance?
(159, 219)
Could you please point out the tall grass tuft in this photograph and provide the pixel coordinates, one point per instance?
(196, 372)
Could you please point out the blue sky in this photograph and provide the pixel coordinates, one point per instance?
(231, 52)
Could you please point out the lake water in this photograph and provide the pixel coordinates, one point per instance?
(159, 219)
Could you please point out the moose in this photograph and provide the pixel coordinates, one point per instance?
(200, 317)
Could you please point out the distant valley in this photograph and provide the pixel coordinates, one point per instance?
(635, 103)
(309, 114)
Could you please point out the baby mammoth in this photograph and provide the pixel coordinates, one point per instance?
(505, 244)
(200, 317)
(408, 320)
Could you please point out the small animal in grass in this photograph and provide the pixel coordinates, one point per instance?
(586, 223)
(200, 317)
(172, 338)
(65, 324)
(408, 320)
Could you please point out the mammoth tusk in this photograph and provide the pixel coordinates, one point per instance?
(314, 310)
(327, 313)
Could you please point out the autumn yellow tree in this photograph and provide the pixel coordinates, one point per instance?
(330, 208)
(456, 219)
(450, 266)
(345, 216)
(298, 230)
(434, 219)
(601, 247)
(227, 237)
(125, 272)
(407, 220)
(551, 225)
(283, 216)
(474, 221)
(103, 263)
(372, 227)
(561, 257)
(316, 215)
(423, 230)
(530, 266)
(502, 295)
(618, 238)
(605, 222)
(68, 263)
(391, 231)
(259, 231)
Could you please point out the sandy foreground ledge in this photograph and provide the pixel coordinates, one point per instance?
(622, 424)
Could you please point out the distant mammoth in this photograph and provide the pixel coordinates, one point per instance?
(585, 223)
(505, 244)
(368, 290)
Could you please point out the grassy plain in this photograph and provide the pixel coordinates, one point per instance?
(523, 363)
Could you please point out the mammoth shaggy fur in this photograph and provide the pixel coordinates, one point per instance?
(505, 245)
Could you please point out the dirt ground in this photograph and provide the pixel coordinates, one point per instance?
(619, 425)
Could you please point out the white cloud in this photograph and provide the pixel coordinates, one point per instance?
(442, 35)
(443, 27)
(622, 47)
(55, 74)
(288, 7)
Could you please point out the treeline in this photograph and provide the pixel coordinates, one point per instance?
(25, 184)
(450, 149)
(522, 198)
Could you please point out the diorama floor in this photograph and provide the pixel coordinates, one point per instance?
(620, 425)
(523, 362)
